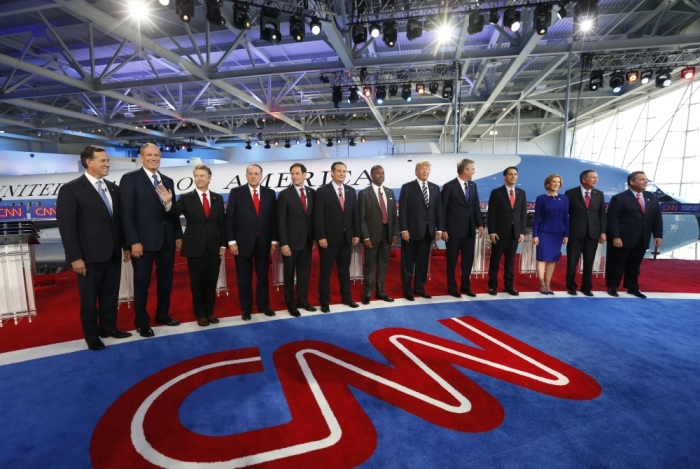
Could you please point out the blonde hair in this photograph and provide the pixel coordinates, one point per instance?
(422, 163)
(550, 178)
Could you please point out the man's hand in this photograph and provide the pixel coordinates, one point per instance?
(493, 238)
(165, 195)
(405, 236)
(368, 243)
(394, 240)
(178, 243)
(355, 240)
(565, 240)
(602, 238)
(79, 267)
(536, 240)
(657, 242)
(127, 255)
(323, 243)
(273, 248)
(445, 236)
(481, 231)
(137, 250)
(286, 252)
(222, 253)
(617, 242)
(521, 239)
(233, 248)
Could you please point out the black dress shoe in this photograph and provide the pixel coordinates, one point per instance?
(424, 295)
(325, 309)
(409, 297)
(636, 293)
(571, 292)
(212, 319)
(169, 322)
(145, 331)
(267, 312)
(454, 293)
(512, 291)
(245, 316)
(117, 334)
(386, 298)
(612, 292)
(586, 293)
(493, 292)
(365, 300)
(351, 303)
(95, 344)
(307, 307)
(294, 312)
(468, 292)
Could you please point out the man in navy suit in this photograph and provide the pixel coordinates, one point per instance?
(337, 225)
(88, 212)
(152, 229)
(420, 223)
(633, 216)
(587, 225)
(295, 230)
(507, 220)
(250, 228)
(204, 243)
(462, 214)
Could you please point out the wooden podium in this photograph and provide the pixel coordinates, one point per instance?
(16, 286)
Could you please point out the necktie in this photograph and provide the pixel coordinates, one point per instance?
(641, 204)
(340, 198)
(155, 181)
(256, 202)
(466, 192)
(205, 204)
(588, 200)
(382, 207)
(425, 195)
(303, 199)
(104, 197)
(512, 199)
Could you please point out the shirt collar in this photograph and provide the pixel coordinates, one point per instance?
(337, 186)
(200, 193)
(635, 192)
(150, 174)
(93, 180)
(376, 188)
(420, 183)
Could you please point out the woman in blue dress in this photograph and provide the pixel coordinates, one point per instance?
(550, 230)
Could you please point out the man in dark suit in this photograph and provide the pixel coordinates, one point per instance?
(152, 229)
(337, 226)
(462, 214)
(88, 212)
(379, 227)
(420, 223)
(633, 216)
(204, 243)
(295, 230)
(587, 225)
(507, 220)
(250, 227)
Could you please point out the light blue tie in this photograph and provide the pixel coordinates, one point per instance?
(466, 192)
(104, 197)
(155, 181)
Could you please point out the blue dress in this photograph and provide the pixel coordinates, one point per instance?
(551, 225)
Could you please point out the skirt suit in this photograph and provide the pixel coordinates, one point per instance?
(551, 225)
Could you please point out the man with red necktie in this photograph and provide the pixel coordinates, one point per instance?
(251, 232)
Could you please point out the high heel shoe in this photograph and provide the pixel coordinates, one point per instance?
(543, 290)
(549, 290)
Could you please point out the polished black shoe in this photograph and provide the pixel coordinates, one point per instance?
(365, 300)
(245, 316)
(454, 293)
(169, 322)
(586, 293)
(468, 293)
(325, 309)
(294, 312)
(409, 297)
(512, 291)
(572, 292)
(493, 292)
(636, 293)
(307, 307)
(388, 299)
(95, 344)
(145, 331)
(423, 295)
(115, 334)
(352, 304)
(612, 292)
(267, 312)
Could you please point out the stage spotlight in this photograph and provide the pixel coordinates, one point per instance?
(351, 142)
(297, 28)
(308, 142)
(381, 94)
(585, 15)
(270, 25)
(414, 29)
(241, 18)
(337, 140)
(493, 17)
(447, 89)
(420, 89)
(511, 19)
(257, 143)
(267, 144)
(277, 143)
(183, 147)
(632, 76)
(663, 78)
(353, 97)
(393, 89)
(165, 3)
(214, 13)
(367, 91)
(688, 73)
(616, 82)
(359, 34)
(329, 142)
(298, 141)
(406, 92)
(287, 144)
(173, 149)
(247, 145)
(185, 10)
(138, 10)
(595, 82)
(315, 26)
(543, 18)
(390, 33)
(374, 30)
(363, 139)
(337, 95)
(476, 24)
(561, 12)
(433, 88)
(318, 141)
(646, 76)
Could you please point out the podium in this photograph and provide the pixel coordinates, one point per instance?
(16, 286)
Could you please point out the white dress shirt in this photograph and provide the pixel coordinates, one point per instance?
(93, 180)
(157, 175)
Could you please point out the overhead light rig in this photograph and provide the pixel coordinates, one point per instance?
(287, 140)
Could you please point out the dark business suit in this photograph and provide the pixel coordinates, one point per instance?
(585, 227)
(146, 221)
(338, 227)
(88, 232)
(635, 228)
(462, 218)
(422, 223)
(508, 223)
(201, 244)
(379, 234)
(295, 229)
(254, 234)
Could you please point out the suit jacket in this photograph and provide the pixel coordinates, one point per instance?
(371, 215)
(87, 230)
(501, 217)
(461, 219)
(414, 216)
(586, 222)
(295, 228)
(330, 221)
(243, 225)
(144, 217)
(626, 220)
(203, 235)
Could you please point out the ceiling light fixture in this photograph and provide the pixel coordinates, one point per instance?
(420, 88)
(448, 89)
(270, 25)
(476, 24)
(616, 82)
(406, 93)
(374, 30)
(353, 97)
(414, 29)
(688, 73)
(511, 19)
(241, 17)
(632, 76)
(663, 78)
(393, 89)
(381, 94)
(433, 88)
(390, 33)
(315, 26)
(595, 82)
(214, 13)
(337, 95)
(297, 27)
(367, 91)
(359, 34)
(185, 10)
(543, 19)
(647, 75)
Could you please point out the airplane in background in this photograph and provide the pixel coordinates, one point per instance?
(34, 196)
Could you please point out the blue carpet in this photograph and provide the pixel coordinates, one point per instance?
(647, 362)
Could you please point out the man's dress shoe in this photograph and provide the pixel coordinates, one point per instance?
(267, 312)
(409, 297)
(424, 295)
(202, 322)
(636, 293)
(388, 299)
(512, 291)
(117, 334)
(586, 293)
(365, 300)
(307, 307)
(572, 292)
(493, 292)
(325, 309)
(245, 316)
(169, 322)
(612, 292)
(294, 312)
(145, 332)
(468, 292)
(95, 344)
(454, 293)
(352, 304)
(212, 319)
